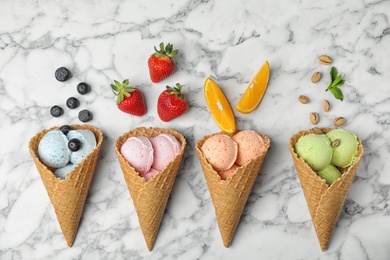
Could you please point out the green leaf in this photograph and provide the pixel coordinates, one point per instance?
(118, 84)
(333, 74)
(114, 87)
(169, 48)
(339, 84)
(337, 93)
(130, 88)
(336, 81)
(119, 99)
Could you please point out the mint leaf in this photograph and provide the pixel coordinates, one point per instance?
(337, 93)
(336, 81)
(333, 74)
(339, 84)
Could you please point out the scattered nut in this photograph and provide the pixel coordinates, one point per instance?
(317, 131)
(339, 121)
(325, 59)
(303, 99)
(325, 105)
(314, 118)
(336, 143)
(316, 77)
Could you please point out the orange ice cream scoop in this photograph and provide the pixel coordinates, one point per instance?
(220, 151)
(226, 173)
(250, 145)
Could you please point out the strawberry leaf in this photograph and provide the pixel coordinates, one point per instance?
(167, 52)
(120, 98)
(118, 84)
(114, 87)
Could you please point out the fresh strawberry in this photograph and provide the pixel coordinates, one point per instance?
(130, 99)
(161, 64)
(171, 103)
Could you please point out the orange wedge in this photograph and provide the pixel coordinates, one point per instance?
(255, 91)
(219, 107)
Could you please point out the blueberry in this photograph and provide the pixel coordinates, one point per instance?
(74, 144)
(72, 102)
(56, 111)
(85, 115)
(65, 129)
(83, 88)
(62, 74)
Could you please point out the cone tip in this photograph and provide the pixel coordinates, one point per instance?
(69, 241)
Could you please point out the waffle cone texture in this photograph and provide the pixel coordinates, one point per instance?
(150, 197)
(229, 196)
(324, 202)
(68, 196)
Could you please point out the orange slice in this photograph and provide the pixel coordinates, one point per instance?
(255, 91)
(219, 107)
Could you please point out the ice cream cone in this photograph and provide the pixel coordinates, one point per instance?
(229, 196)
(324, 202)
(150, 198)
(68, 196)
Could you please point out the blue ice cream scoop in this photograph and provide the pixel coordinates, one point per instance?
(88, 143)
(63, 171)
(53, 149)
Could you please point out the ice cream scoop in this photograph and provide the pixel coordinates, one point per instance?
(63, 171)
(345, 151)
(88, 143)
(315, 150)
(138, 151)
(53, 149)
(220, 151)
(226, 173)
(165, 148)
(149, 175)
(250, 145)
(329, 174)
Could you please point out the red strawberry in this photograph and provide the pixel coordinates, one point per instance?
(130, 99)
(161, 63)
(171, 103)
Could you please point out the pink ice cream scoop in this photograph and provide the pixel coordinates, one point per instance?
(138, 151)
(149, 175)
(250, 145)
(226, 173)
(220, 151)
(165, 147)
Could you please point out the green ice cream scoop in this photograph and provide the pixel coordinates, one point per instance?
(315, 150)
(330, 174)
(345, 152)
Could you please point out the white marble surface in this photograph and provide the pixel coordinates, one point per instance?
(228, 40)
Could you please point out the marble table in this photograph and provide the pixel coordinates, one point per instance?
(100, 41)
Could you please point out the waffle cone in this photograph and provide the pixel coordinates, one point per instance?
(324, 202)
(68, 196)
(229, 196)
(150, 197)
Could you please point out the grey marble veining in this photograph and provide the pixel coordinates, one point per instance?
(100, 41)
